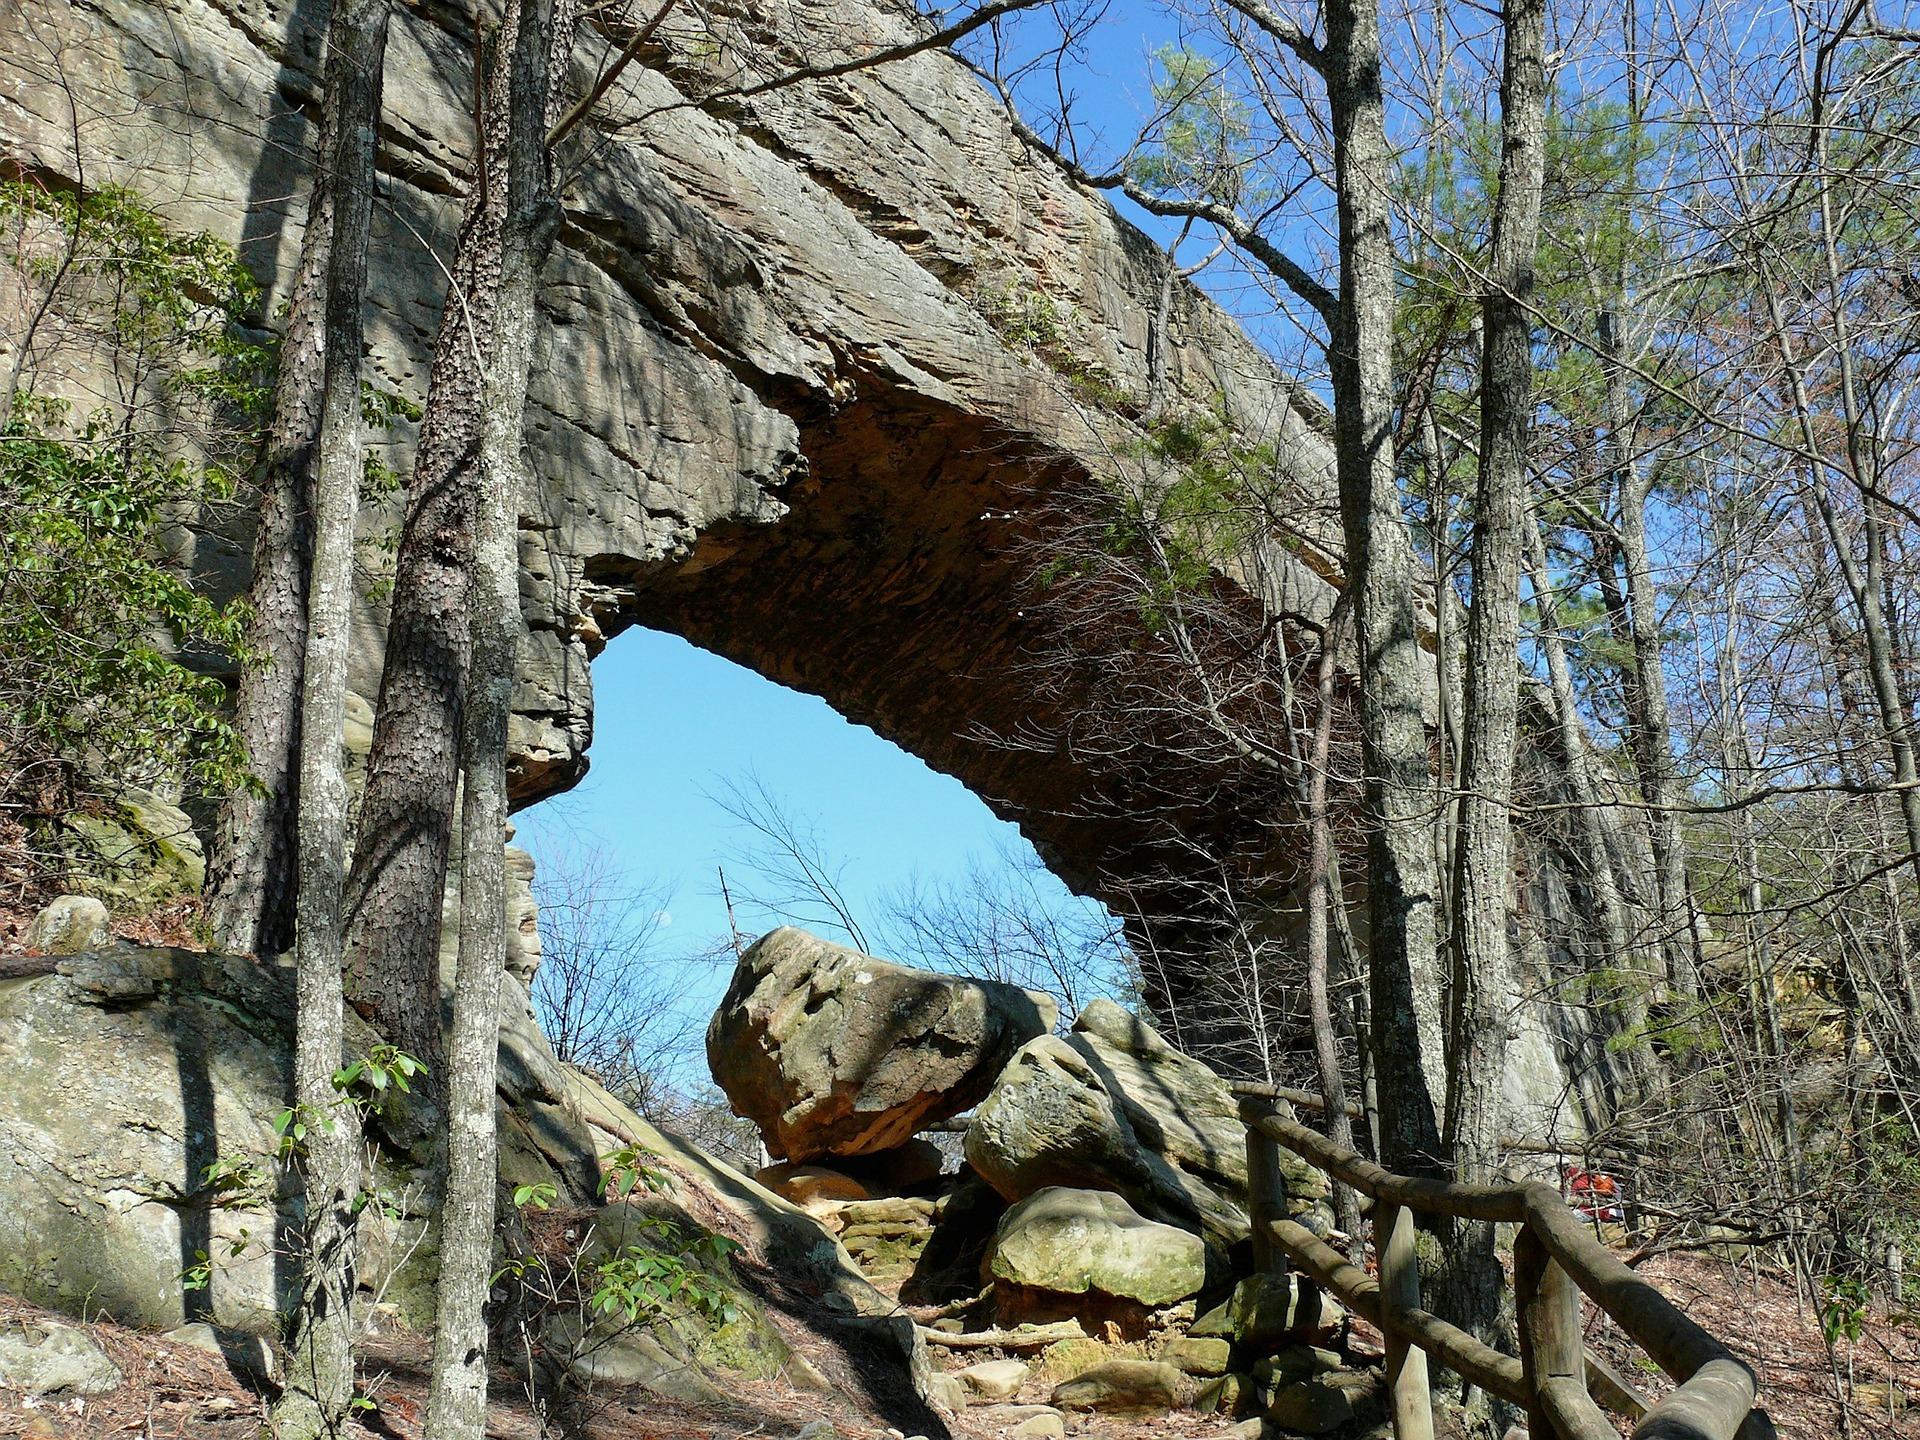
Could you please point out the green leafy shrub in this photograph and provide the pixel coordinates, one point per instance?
(131, 404)
(672, 1273)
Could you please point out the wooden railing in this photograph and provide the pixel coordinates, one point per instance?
(1565, 1390)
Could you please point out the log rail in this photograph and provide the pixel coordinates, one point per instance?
(1564, 1389)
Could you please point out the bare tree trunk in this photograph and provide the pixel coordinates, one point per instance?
(1484, 983)
(1321, 899)
(1402, 880)
(1650, 721)
(1616, 939)
(399, 875)
(457, 1400)
(251, 858)
(1738, 762)
(1351, 1014)
(319, 1386)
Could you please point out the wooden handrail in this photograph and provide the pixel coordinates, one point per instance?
(1557, 1259)
(1458, 1351)
(1307, 1100)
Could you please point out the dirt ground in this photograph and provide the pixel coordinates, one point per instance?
(177, 1392)
(1756, 1314)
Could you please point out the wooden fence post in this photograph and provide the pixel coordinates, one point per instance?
(1551, 1345)
(1266, 1193)
(1408, 1396)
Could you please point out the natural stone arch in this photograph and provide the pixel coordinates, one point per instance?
(773, 401)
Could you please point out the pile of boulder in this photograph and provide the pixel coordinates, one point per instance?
(1084, 1197)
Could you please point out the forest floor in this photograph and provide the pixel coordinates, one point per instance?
(174, 1391)
(1757, 1315)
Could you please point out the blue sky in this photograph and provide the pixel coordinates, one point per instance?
(674, 723)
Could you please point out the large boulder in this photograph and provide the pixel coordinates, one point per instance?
(131, 1071)
(136, 851)
(832, 1052)
(1123, 1387)
(1077, 1242)
(1053, 1119)
(1178, 1107)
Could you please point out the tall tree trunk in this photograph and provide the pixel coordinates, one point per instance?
(1616, 945)
(1737, 761)
(399, 876)
(1402, 880)
(1648, 715)
(1321, 899)
(1604, 548)
(251, 860)
(1484, 987)
(457, 1400)
(319, 1386)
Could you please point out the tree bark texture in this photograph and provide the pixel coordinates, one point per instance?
(319, 1385)
(1484, 988)
(1402, 879)
(251, 860)
(1321, 899)
(395, 890)
(457, 1399)
(1616, 945)
(1651, 723)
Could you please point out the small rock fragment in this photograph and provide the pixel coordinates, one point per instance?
(1040, 1427)
(68, 925)
(51, 1359)
(1121, 1387)
(994, 1379)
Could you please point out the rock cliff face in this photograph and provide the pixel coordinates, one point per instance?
(776, 410)
(772, 411)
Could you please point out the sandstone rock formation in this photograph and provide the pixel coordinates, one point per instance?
(1310, 1407)
(1178, 1108)
(130, 1071)
(1091, 1242)
(1195, 1356)
(830, 1051)
(777, 409)
(1051, 1119)
(138, 851)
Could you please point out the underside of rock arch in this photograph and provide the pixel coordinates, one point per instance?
(776, 410)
